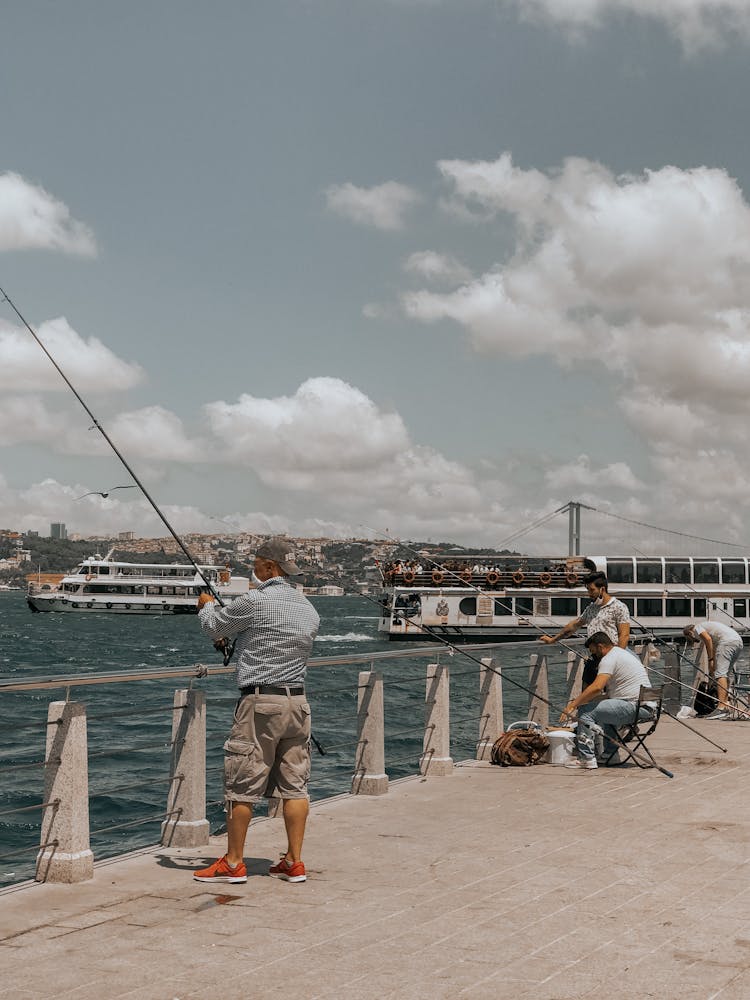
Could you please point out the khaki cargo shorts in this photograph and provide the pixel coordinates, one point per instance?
(268, 750)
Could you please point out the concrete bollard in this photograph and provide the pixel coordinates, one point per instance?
(539, 684)
(436, 753)
(369, 776)
(491, 704)
(186, 824)
(65, 851)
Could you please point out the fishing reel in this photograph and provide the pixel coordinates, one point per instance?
(226, 648)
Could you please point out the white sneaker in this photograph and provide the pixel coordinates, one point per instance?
(583, 763)
(719, 713)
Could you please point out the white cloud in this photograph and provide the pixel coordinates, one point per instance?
(383, 206)
(437, 267)
(696, 23)
(580, 474)
(154, 433)
(89, 365)
(326, 426)
(31, 218)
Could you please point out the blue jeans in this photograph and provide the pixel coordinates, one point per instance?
(608, 715)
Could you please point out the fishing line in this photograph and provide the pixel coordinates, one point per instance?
(227, 649)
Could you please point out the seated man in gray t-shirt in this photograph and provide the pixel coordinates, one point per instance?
(622, 674)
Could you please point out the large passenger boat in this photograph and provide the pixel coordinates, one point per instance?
(101, 585)
(492, 598)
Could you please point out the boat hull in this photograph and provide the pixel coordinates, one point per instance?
(58, 603)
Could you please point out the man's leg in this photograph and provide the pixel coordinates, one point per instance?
(239, 815)
(609, 715)
(295, 819)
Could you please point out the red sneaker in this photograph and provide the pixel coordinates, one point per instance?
(288, 870)
(222, 871)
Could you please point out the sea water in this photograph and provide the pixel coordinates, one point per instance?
(129, 723)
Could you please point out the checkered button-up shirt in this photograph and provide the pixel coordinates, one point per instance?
(273, 627)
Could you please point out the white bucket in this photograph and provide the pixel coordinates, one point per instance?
(561, 743)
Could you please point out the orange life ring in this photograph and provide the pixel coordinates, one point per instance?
(409, 577)
(466, 575)
(518, 577)
(438, 576)
(571, 579)
(89, 576)
(492, 578)
(545, 579)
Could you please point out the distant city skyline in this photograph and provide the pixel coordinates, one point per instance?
(425, 267)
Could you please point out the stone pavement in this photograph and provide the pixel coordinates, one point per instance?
(493, 883)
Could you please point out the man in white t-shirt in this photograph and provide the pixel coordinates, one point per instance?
(723, 648)
(623, 675)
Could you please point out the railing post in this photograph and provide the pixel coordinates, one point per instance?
(186, 824)
(436, 753)
(491, 704)
(573, 675)
(369, 776)
(539, 684)
(65, 851)
(672, 680)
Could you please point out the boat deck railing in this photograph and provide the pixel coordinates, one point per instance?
(402, 720)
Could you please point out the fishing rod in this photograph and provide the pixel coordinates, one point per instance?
(564, 645)
(222, 645)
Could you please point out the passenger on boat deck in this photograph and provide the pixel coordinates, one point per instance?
(723, 648)
(623, 675)
(604, 614)
(268, 750)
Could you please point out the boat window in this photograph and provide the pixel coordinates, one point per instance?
(648, 571)
(706, 571)
(678, 607)
(699, 607)
(620, 570)
(503, 606)
(468, 606)
(567, 606)
(629, 603)
(104, 571)
(732, 572)
(677, 571)
(524, 605)
(740, 608)
(649, 607)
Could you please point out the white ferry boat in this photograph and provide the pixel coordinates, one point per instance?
(102, 585)
(480, 598)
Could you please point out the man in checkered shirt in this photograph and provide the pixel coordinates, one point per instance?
(268, 750)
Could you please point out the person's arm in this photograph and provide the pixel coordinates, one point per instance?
(566, 630)
(710, 652)
(623, 634)
(593, 691)
(223, 622)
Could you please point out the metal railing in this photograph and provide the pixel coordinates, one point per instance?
(424, 745)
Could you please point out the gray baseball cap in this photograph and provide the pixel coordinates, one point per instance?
(277, 550)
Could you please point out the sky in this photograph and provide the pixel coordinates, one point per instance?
(349, 267)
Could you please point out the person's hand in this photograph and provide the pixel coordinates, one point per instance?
(546, 638)
(566, 716)
(205, 598)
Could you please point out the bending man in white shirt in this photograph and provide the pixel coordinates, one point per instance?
(723, 648)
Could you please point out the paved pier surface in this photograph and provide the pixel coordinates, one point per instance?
(490, 883)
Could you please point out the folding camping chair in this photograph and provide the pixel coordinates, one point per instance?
(633, 735)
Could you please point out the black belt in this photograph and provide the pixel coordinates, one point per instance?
(288, 689)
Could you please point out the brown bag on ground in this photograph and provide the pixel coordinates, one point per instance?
(519, 748)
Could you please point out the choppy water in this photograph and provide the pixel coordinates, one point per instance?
(56, 645)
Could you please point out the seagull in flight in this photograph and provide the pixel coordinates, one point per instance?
(97, 493)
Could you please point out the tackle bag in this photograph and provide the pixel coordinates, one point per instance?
(519, 748)
(706, 697)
